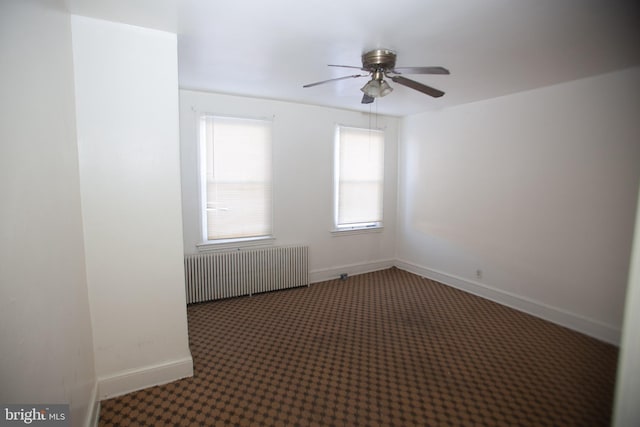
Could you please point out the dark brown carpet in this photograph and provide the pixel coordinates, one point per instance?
(382, 349)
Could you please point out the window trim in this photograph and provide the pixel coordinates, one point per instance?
(224, 244)
(357, 228)
(352, 231)
(228, 243)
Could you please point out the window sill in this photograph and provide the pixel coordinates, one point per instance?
(355, 231)
(238, 244)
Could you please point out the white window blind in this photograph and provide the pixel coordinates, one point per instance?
(236, 177)
(359, 177)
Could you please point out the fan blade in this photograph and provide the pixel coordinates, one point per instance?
(366, 99)
(336, 79)
(420, 70)
(346, 66)
(418, 86)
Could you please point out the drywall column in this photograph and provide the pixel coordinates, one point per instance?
(626, 410)
(127, 120)
(46, 346)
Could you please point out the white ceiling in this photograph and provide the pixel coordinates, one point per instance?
(270, 49)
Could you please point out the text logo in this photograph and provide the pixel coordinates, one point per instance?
(36, 415)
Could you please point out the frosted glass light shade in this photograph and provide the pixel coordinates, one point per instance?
(377, 88)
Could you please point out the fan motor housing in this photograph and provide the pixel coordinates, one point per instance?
(379, 59)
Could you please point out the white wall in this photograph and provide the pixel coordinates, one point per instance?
(46, 347)
(626, 409)
(537, 190)
(127, 118)
(303, 164)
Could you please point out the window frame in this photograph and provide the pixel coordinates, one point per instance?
(363, 227)
(233, 242)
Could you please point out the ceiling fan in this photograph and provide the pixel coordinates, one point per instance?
(381, 63)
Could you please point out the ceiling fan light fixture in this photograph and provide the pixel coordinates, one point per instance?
(381, 63)
(385, 89)
(377, 88)
(372, 88)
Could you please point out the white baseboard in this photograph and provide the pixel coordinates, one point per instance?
(93, 415)
(316, 276)
(148, 376)
(593, 328)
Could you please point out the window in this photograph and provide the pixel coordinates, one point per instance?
(235, 170)
(359, 177)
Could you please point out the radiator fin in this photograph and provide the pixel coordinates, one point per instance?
(218, 275)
